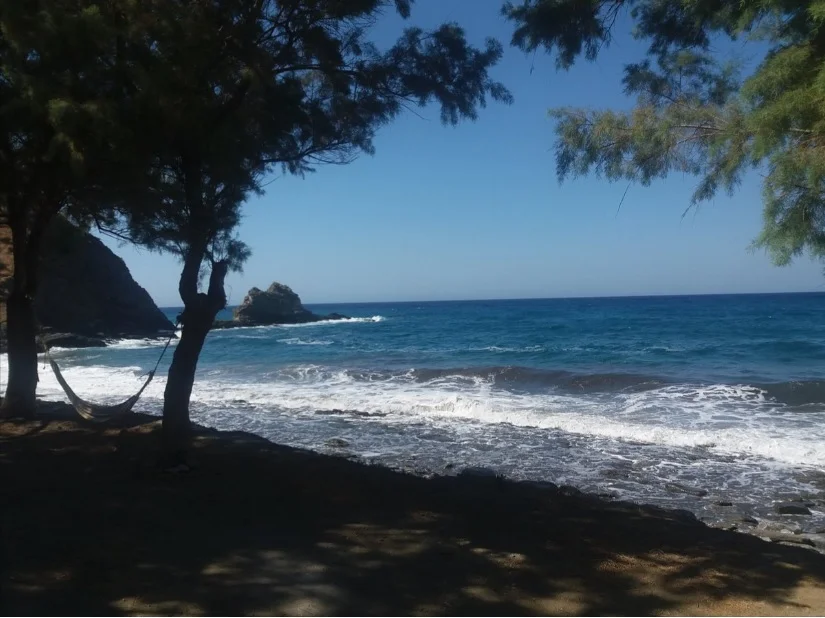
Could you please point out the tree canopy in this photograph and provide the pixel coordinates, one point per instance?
(59, 135)
(696, 111)
(230, 90)
(227, 91)
(157, 119)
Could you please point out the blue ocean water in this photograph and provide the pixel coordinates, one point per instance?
(711, 403)
(751, 338)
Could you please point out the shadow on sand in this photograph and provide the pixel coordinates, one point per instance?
(91, 527)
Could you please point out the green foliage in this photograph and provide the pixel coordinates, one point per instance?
(568, 28)
(696, 114)
(55, 119)
(227, 91)
(156, 119)
(61, 133)
(224, 92)
(61, 128)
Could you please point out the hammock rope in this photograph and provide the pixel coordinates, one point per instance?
(97, 412)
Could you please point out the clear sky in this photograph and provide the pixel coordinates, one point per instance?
(476, 211)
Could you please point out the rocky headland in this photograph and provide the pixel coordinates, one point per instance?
(86, 293)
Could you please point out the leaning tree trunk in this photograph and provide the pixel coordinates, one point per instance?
(176, 427)
(196, 321)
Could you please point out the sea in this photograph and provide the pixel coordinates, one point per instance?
(713, 404)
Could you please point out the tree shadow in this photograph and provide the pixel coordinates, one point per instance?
(90, 526)
(6, 264)
(5, 254)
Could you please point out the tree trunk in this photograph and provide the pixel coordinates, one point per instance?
(21, 325)
(196, 320)
(198, 316)
(176, 427)
(21, 341)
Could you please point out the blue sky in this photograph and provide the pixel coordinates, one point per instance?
(476, 211)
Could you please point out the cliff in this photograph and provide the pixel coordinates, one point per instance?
(85, 289)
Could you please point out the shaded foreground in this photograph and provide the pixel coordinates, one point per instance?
(90, 526)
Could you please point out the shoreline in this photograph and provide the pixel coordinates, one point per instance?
(91, 526)
(793, 518)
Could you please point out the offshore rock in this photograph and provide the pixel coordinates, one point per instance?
(277, 305)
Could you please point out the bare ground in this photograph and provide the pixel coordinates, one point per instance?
(91, 526)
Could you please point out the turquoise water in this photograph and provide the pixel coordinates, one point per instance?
(679, 401)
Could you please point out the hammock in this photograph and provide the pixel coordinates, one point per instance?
(97, 412)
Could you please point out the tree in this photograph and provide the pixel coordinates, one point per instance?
(231, 90)
(57, 135)
(697, 113)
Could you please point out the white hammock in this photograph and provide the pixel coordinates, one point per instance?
(97, 412)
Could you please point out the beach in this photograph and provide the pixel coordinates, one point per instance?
(429, 382)
(713, 405)
(91, 525)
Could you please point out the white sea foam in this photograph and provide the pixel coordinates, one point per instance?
(299, 341)
(731, 440)
(139, 344)
(672, 416)
(260, 332)
(496, 348)
(374, 318)
(96, 383)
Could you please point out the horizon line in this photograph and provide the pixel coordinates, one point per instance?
(533, 298)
